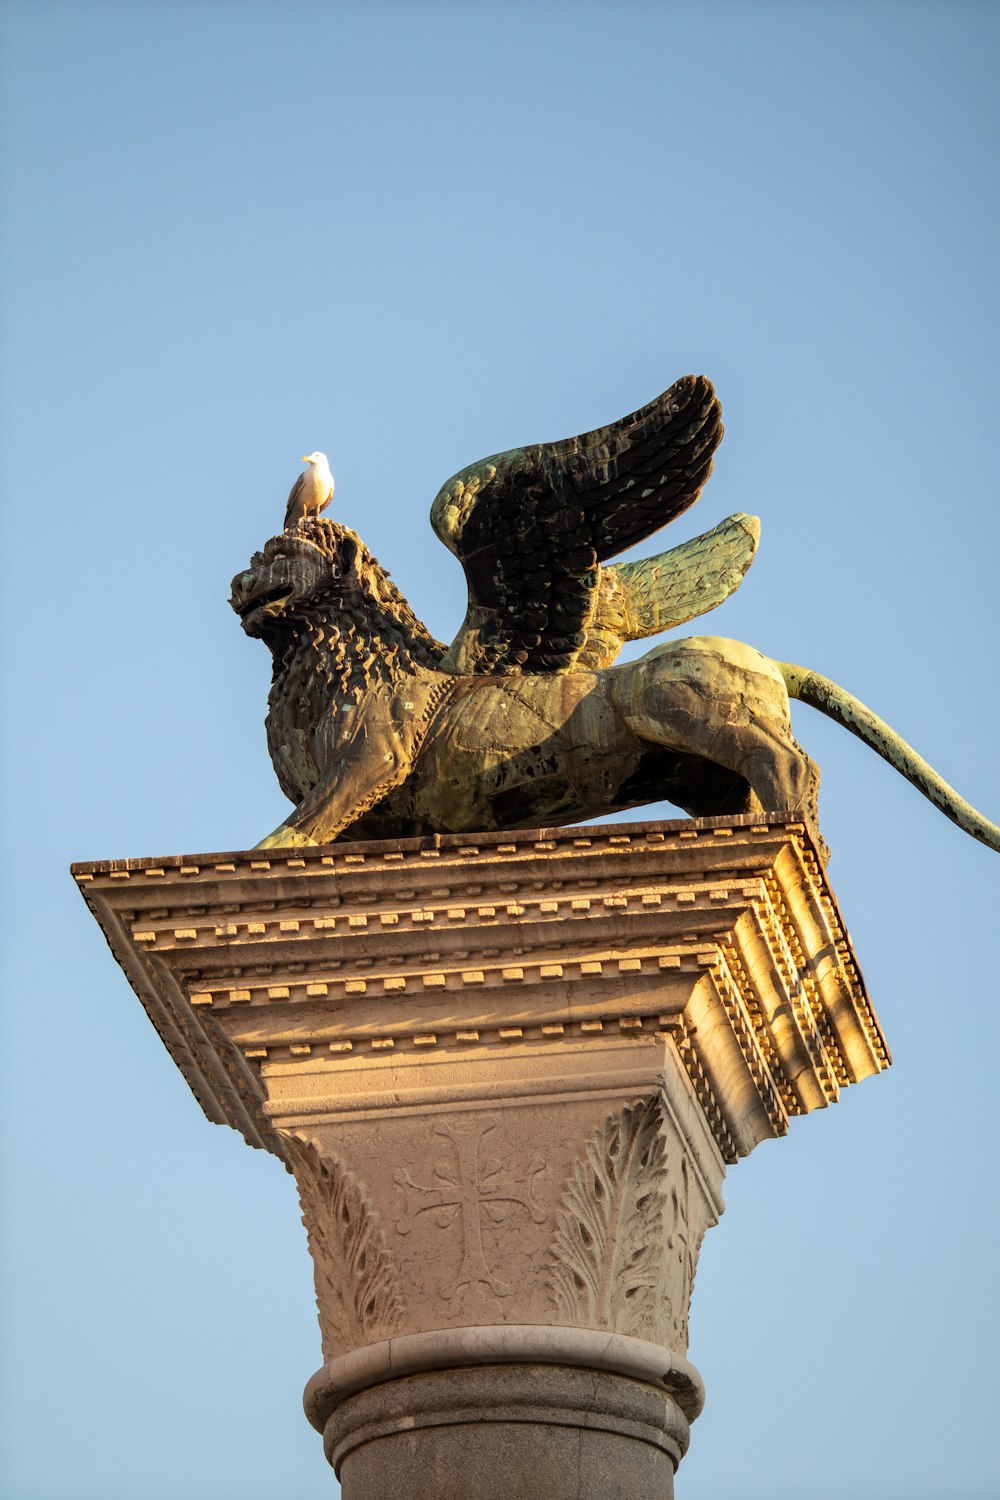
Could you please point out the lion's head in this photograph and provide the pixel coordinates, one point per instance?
(319, 572)
(295, 577)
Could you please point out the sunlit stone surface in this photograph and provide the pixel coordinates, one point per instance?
(508, 1073)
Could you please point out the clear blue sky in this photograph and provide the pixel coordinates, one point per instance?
(412, 235)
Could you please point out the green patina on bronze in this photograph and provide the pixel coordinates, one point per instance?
(377, 730)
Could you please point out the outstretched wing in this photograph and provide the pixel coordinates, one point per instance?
(532, 526)
(643, 598)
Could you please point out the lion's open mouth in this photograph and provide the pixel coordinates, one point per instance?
(279, 595)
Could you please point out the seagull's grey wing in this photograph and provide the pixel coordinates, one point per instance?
(293, 510)
(531, 526)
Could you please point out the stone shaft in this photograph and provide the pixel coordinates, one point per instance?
(515, 1432)
(508, 1075)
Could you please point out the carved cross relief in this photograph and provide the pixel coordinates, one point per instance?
(463, 1193)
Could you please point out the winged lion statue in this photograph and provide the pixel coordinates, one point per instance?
(377, 730)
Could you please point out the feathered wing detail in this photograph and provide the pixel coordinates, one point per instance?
(531, 526)
(640, 599)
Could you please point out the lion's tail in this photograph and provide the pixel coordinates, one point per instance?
(837, 703)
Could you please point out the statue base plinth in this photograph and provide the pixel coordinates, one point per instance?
(508, 1073)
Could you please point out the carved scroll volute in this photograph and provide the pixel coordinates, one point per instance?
(358, 1293)
(625, 1246)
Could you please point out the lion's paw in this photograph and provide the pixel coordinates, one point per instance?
(286, 838)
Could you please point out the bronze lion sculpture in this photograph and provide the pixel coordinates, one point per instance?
(378, 730)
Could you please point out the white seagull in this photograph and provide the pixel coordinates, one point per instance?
(311, 492)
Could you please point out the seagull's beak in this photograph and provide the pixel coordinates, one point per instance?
(304, 459)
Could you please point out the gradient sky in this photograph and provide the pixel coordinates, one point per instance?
(412, 235)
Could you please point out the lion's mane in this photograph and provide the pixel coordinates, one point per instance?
(354, 632)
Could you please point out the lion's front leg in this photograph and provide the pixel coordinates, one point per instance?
(371, 763)
(344, 795)
(286, 837)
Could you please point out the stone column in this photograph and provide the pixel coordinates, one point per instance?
(508, 1075)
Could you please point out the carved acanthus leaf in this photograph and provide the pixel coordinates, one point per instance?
(358, 1293)
(608, 1234)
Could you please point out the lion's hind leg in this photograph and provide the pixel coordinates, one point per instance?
(724, 702)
